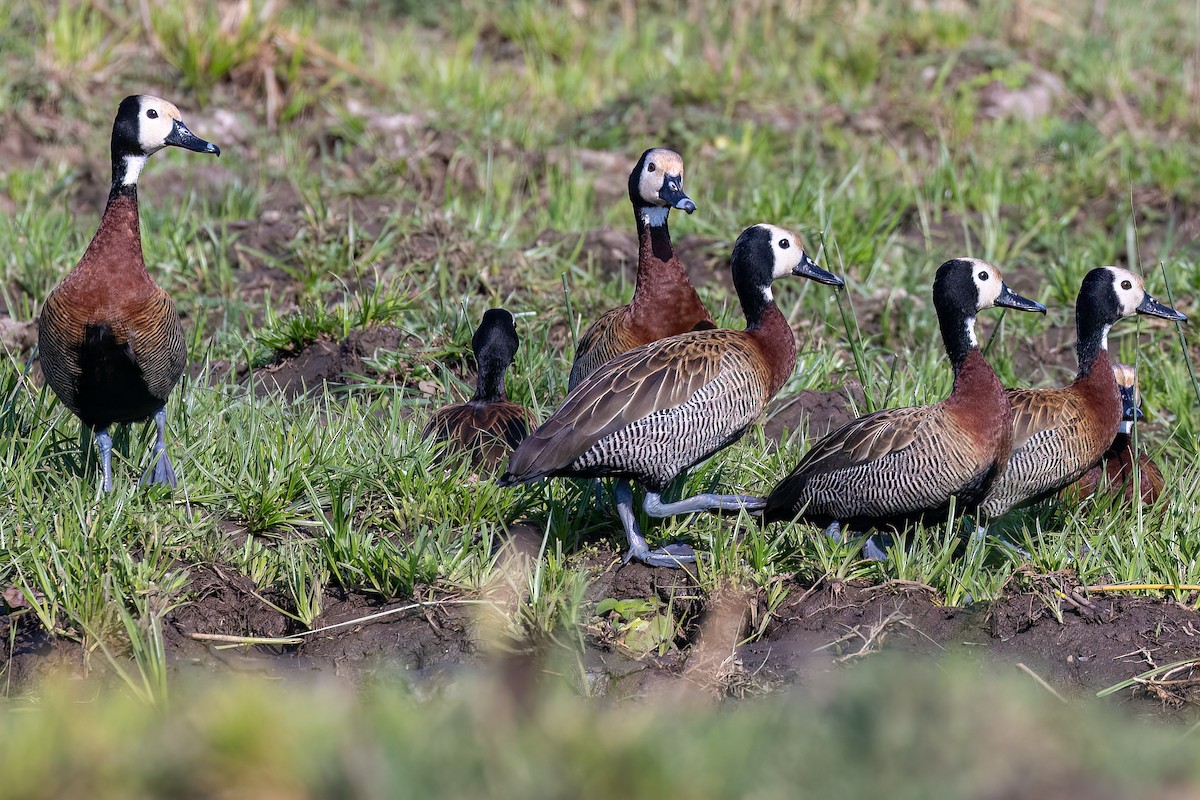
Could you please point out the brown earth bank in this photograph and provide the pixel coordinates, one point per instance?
(1073, 643)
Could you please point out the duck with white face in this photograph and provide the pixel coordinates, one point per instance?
(111, 341)
(1058, 434)
(654, 411)
(664, 301)
(899, 466)
(145, 125)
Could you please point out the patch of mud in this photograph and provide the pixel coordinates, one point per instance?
(816, 411)
(222, 602)
(30, 654)
(326, 362)
(1076, 644)
(18, 336)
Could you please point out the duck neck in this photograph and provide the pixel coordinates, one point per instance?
(120, 230)
(126, 169)
(1091, 331)
(958, 335)
(654, 238)
(489, 384)
(974, 378)
(768, 327)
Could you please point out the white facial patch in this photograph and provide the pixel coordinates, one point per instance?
(1129, 288)
(786, 248)
(988, 283)
(659, 164)
(156, 120)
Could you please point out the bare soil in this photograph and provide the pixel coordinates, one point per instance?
(1053, 630)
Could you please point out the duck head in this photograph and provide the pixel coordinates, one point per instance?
(656, 185)
(145, 125)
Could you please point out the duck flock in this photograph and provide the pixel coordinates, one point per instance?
(656, 387)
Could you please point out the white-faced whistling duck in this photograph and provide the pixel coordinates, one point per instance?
(1059, 433)
(1122, 471)
(658, 409)
(487, 427)
(664, 301)
(111, 342)
(899, 466)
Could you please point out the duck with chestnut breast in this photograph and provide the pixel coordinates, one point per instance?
(899, 466)
(110, 339)
(1122, 471)
(660, 408)
(1058, 434)
(664, 301)
(487, 427)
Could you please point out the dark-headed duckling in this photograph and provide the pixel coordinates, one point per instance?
(898, 466)
(1115, 472)
(487, 427)
(111, 342)
(660, 408)
(1058, 434)
(664, 301)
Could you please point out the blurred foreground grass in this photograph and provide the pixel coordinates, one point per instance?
(883, 729)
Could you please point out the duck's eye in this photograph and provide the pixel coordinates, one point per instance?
(1126, 284)
(152, 114)
(784, 244)
(650, 167)
(983, 276)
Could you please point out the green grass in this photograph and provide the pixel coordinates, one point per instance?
(865, 127)
(243, 738)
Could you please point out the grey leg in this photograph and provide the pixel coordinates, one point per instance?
(673, 555)
(160, 470)
(655, 507)
(872, 548)
(104, 445)
(979, 538)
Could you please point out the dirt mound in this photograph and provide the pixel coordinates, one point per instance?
(326, 362)
(822, 412)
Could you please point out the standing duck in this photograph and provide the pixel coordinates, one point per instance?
(1115, 472)
(658, 409)
(664, 301)
(1059, 433)
(488, 426)
(898, 466)
(110, 339)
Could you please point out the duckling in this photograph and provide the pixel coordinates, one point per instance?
(1059, 433)
(898, 466)
(1115, 471)
(658, 409)
(110, 339)
(488, 426)
(664, 301)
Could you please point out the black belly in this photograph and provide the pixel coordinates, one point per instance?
(111, 385)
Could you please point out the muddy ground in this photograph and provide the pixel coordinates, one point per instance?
(1072, 643)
